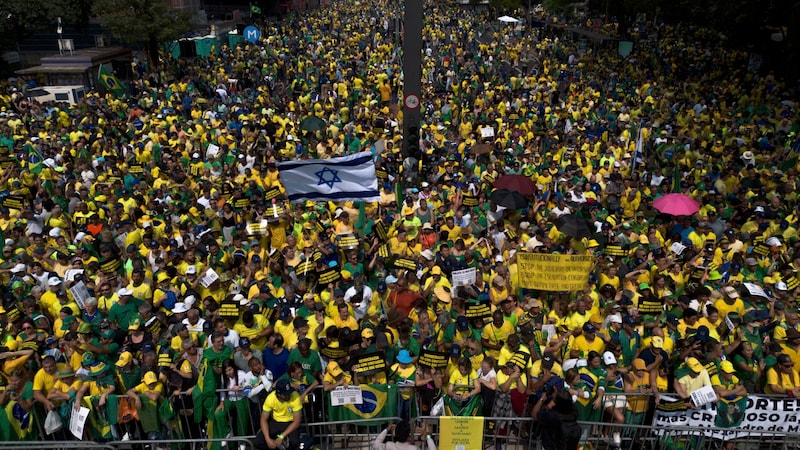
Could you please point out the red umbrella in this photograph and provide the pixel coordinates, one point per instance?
(676, 205)
(518, 183)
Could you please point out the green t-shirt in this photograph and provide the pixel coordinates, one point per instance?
(123, 315)
(311, 364)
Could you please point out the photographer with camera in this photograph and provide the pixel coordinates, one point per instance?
(558, 420)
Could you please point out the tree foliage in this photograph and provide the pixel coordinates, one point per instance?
(20, 18)
(148, 22)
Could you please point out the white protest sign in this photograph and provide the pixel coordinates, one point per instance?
(487, 132)
(209, 278)
(463, 277)
(677, 248)
(80, 293)
(755, 289)
(211, 151)
(703, 396)
(350, 395)
(77, 421)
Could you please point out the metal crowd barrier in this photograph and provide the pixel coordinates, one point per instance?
(634, 432)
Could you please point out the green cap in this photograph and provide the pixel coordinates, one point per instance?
(88, 359)
(107, 334)
(66, 322)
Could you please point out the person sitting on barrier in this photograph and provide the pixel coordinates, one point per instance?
(400, 440)
(280, 418)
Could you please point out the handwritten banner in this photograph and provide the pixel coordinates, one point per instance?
(553, 272)
(461, 432)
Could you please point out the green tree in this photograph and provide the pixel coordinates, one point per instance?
(149, 22)
(20, 18)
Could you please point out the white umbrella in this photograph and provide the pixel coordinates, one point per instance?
(507, 19)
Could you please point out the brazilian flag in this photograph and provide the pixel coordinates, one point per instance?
(254, 9)
(379, 402)
(34, 159)
(730, 411)
(110, 82)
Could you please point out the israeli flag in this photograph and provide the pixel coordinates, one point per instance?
(349, 178)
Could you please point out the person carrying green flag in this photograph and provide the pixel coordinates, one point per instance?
(110, 82)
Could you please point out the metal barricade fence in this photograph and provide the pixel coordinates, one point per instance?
(54, 445)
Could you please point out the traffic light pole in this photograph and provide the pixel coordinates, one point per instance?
(412, 83)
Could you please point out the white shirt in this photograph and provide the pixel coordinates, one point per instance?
(360, 309)
(258, 383)
(378, 444)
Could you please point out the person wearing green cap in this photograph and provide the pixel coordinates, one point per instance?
(101, 344)
(66, 386)
(98, 388)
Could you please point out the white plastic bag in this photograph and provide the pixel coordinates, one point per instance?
(52, 422)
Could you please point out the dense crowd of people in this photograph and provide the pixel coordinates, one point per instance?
(152, 272)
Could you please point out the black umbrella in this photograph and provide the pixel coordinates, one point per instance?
(574, 226)
(312, 123)
(508, 199)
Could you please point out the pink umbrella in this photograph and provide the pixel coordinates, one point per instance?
(676, 205)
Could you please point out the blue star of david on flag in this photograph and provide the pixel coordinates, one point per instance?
(328, 176)
(319, 179)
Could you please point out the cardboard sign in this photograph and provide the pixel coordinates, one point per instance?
(405, 263)
(333, 352)
(329, 275)
(14, 202)
(652, 306)
(304, 268)
(257, 228)
(370, 363)
(434, 360)
(761, 249)
(271, 193)
(229, 310)
(478, 310)
(380, 230)
(240, 203)
(615, 250)
(469, 200)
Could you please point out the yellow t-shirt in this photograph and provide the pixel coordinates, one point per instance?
(502, 378)
(785, 381)
(43, 381)
(463, 384)
(282, 411)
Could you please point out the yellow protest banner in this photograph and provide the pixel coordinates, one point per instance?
(553, 272)
(461, 433)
